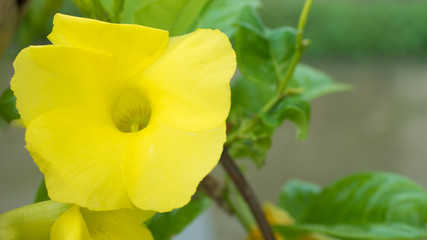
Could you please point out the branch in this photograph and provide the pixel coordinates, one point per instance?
(11, 13)
(247, 193)
(210, 186)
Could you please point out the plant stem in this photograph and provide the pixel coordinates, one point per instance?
(300, 46)
(210, 186)
(247, 193)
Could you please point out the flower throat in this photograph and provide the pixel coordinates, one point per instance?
(131, 112)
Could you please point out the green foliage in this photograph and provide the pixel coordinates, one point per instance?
(293, 108)
(30, 222)
(8, 110)
(295, 196)
(263, 55)
(95, 9)
(358, 29)
(363, 206)
(175, 16)
(247, 100)
(41, 194)
(264, 58)
(164, 226)
(37, 22)
(223, 14)
(178, 16)
(314, 83)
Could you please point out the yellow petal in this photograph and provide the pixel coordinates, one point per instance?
(276, 215)
(133, 46)
(122, 224)
(80, 158)
(51, 77)
(188, 85)
(162, 166)
(70, 226)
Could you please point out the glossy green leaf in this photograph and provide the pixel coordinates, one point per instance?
(296, 195)
(223, 14)
(41, 194)
(176, 16)
(31, 222)
(368, 206)
(165, 225)
(314, 83)
(8, 110)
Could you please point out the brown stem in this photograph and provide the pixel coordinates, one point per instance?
(210, 186)
(247, 193)
(11, 13)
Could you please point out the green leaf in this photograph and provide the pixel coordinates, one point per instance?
(247, 100)
(263, 55)
(314, 83)
(96, 9)
(296, 195)
(37, 22)
(368, 206)
(293, 108)
(30, 222)
(258, 108)
(41, 194)
(165, 225)
(223, 14)
(184, 16)
(8, 110)
(291, 233)
(176, 16)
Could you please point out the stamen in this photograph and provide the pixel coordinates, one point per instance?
(131, 112)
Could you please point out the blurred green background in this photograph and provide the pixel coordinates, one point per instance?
(362, 29)
(378, 46)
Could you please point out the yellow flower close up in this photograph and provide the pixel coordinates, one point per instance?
(120, 115)
(81, 224)
(61, 221)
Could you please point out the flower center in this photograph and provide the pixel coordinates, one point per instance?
(131, 112)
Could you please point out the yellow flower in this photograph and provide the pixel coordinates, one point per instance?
(274, 216)
(81, 224)
(120, 115)
(278, 216)
(60, 221)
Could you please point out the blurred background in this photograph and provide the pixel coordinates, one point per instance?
(378, 46)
